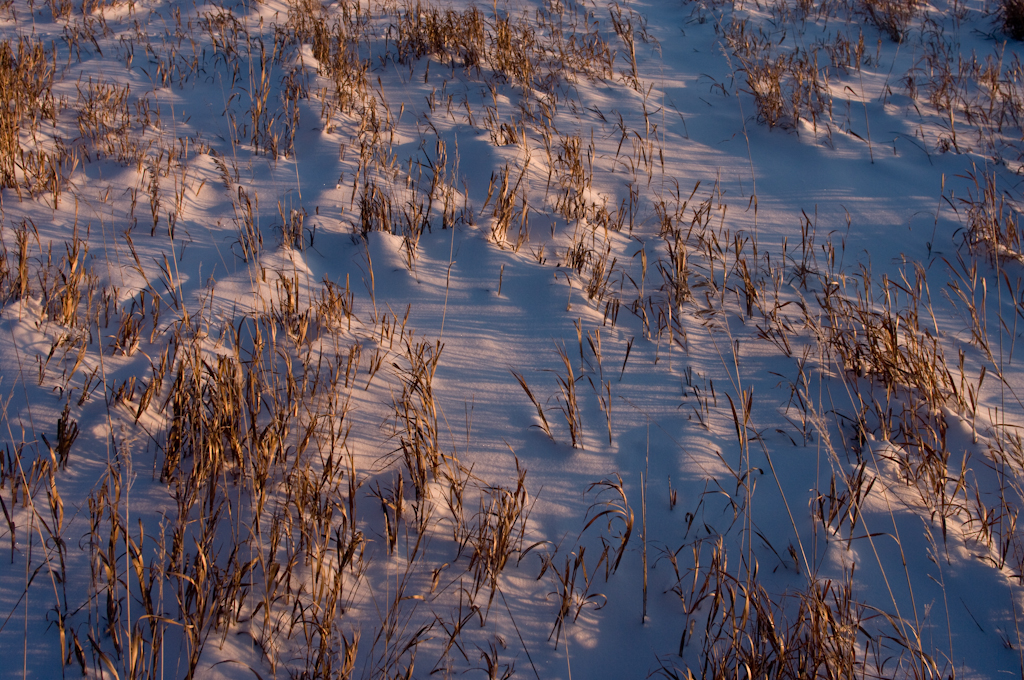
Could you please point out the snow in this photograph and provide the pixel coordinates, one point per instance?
(766, 497)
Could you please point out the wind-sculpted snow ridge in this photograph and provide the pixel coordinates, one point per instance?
(550, 338)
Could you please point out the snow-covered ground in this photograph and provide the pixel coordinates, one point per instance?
(371, 339)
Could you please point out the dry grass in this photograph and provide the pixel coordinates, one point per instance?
(277, 529)
(992, 217)
(891, 17)
(1011, 15)
(788, 86)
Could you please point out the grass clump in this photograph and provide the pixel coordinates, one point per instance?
(891, 17)
(993, 218)
(1011, 16)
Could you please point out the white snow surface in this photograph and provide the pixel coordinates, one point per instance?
(725, 436)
